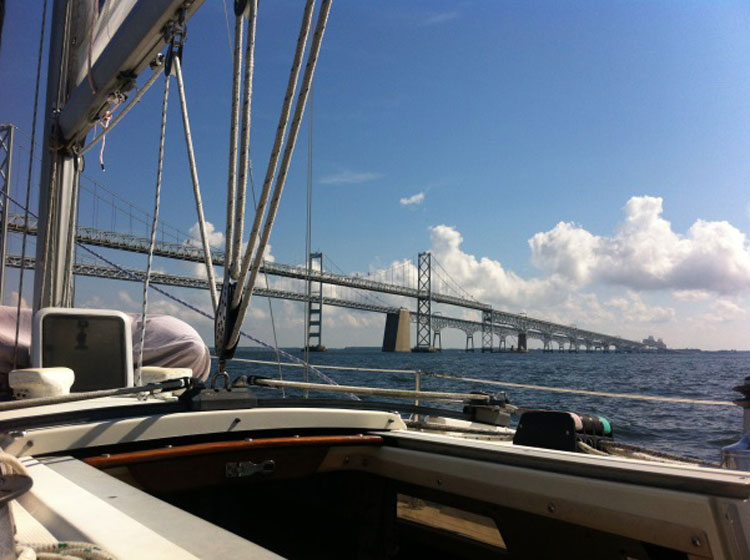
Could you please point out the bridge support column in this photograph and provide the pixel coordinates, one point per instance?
(487, 331)
(522, 342)
(469, 342)
(501, 345)
(315, 307)
(424, 304)
(397, 335)
(437, 341)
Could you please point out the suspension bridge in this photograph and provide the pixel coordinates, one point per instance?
(426, 283)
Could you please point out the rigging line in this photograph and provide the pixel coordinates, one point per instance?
(299, 110)
(241, 189)
(273, 161)
(270, 304)
(232, 172)
(198, 310)
(229, 35)
(152, 244)
(308, 239)
(28, 182)
(196, 184)
(632, 396)
(125, 110)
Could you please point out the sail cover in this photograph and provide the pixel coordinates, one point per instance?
(93, 24)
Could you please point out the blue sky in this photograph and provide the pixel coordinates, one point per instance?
(591, 157)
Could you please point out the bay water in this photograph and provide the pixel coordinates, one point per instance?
(686, 429)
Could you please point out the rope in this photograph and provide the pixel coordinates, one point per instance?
(272, 162)
(62, 551)
(308, 236)
(373, 391)
(152, 244)
(196, 184)
(152, 388)
(589, 393)
(114, 101)
(241, 190)
(229, 256)
(124, 111)
(28, 183)
(299, 110)
(226, 19)
(11, 464)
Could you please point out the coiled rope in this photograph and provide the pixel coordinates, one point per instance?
(50, 551)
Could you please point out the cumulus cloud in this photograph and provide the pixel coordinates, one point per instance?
(486, 279)
(633, 309)
(646, 254)
(691, 295)
(413, 199)
(215, 237)
(724, 311)
(349, 178)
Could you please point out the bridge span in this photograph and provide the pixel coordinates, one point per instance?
(495, 324)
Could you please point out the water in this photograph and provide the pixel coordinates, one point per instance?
(685, 429)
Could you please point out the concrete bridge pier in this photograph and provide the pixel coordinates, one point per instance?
(469, 342)
(501, 345)
(397, 335)
(522, 342)
(437, 341)
(561, 345)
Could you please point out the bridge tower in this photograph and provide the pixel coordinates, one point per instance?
(6, 168)
(424, 303)
(487, 331)
(315, 306)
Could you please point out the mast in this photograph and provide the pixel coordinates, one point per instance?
(74, 102)
(52, 283)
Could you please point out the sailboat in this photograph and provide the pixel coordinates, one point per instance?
(150, 462)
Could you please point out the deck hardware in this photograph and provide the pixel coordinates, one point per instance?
(248, 468)
(697, 541)
(221, 375)
(17, 434)
(439, 482)
(552, 508)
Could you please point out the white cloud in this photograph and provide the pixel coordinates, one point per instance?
(691, 295)
(724, 311)
(486, 279)
(413, 199)
(215, 238)
(646, 254)
(439, 17)
(12, 300)
(634, 310)
(349, 178)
